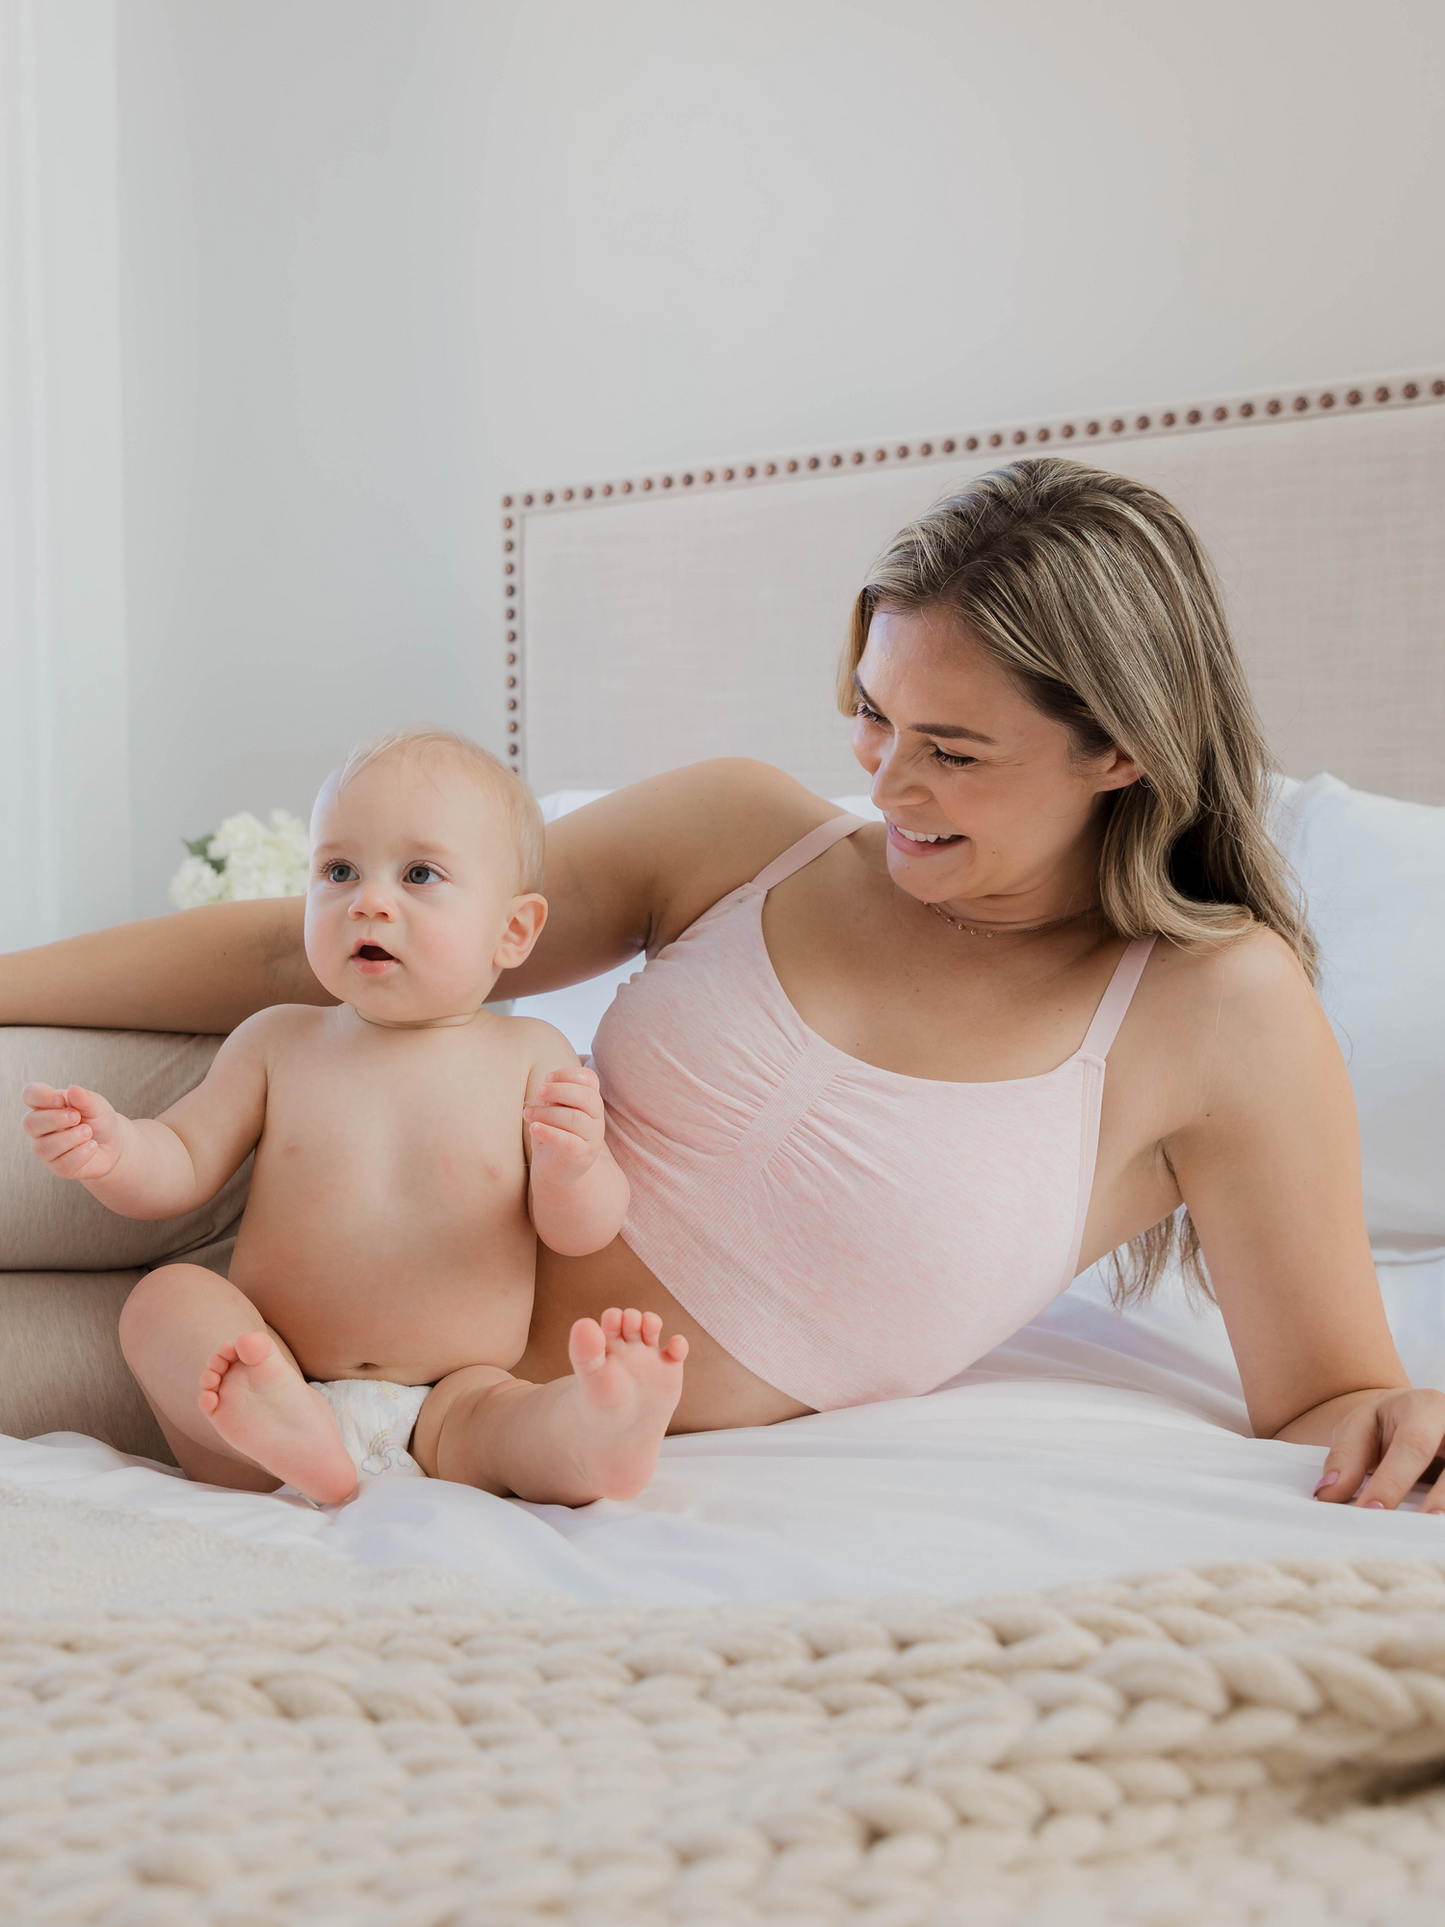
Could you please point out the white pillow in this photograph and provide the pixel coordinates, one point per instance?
(1373, 872)
(562, 802)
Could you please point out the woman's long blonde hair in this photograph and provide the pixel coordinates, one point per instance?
(1094, 593)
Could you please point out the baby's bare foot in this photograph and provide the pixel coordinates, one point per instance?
(628, 1387)
(260, 1404)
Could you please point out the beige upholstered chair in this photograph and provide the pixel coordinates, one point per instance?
(66, 1263)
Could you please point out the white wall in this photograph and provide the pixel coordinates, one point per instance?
(64, 776)
(307, 466)
(382, 258)
(800, 219)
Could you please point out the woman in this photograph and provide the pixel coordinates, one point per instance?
(860, 1088)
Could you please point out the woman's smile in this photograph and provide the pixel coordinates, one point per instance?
(923, 842)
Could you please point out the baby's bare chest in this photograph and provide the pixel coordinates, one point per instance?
(422, 1140)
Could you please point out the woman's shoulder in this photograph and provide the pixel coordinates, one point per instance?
(1218, 1033)
(690, 836)
(748, 800)
(1243, 1002)
(1258, 969)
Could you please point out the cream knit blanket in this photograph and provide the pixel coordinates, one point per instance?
(1193, 1748)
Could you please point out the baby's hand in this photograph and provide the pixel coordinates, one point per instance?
(75, 1133)
(568, 1125)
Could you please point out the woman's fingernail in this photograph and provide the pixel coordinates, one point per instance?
(1373, 1505)
(1330, 1478)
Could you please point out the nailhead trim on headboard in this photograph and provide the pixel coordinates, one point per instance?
(1180, 418)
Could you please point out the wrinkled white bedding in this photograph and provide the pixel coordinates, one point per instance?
(1089, 1444)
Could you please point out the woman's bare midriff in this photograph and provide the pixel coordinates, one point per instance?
(717, 1391)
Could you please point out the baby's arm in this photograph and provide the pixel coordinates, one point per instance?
(578, 1196)
(157, 1167)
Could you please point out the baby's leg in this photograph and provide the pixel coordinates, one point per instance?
(594, 1435)
(229, 1396)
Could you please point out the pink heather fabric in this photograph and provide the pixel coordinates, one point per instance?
(847, 1233)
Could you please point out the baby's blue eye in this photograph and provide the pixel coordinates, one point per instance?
(340, 873)
(420, 873)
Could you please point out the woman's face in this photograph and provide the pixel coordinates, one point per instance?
(959, 754)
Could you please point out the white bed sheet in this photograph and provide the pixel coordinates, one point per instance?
(1090, 1444)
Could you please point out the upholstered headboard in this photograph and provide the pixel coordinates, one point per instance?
(655, 619)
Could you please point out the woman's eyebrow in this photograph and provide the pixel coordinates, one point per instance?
(950, 730)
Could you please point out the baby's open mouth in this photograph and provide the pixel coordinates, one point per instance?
(373, 953)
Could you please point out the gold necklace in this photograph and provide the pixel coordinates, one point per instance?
(1009, 929)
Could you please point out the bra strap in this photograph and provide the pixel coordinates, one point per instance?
(807, 848)
(1117, 998)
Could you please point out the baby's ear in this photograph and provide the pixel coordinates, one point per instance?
(525, 917)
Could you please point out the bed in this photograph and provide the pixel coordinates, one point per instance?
(653, 619)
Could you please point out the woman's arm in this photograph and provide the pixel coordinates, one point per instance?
(632, 871)
(203, 970)
(623, 875)
(1270, 1170)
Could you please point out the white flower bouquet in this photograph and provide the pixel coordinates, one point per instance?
(244, 859)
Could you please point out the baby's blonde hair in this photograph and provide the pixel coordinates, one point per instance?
(421, 739)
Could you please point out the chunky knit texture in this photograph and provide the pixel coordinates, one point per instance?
(1193, 1748)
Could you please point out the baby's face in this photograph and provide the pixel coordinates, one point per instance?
(413, 906)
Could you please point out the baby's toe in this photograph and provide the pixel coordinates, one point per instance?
(651, 1327)
(586, 1345)
(612, 1322)
(631, 1323)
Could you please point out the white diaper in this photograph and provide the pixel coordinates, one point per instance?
(376, 1420)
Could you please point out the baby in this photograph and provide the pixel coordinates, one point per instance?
(410, 1148)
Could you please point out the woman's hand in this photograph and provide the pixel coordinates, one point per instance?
(1382, 1447)
(75, 1133)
